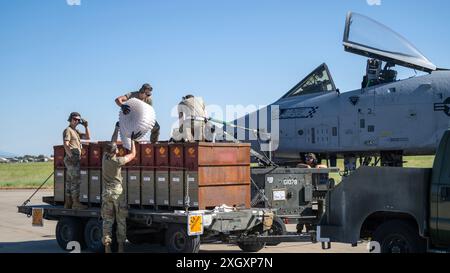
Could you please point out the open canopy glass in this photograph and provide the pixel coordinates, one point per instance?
(318, 81)
(370, 38)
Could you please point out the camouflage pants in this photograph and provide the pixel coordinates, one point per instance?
(155, 133)
(114, 208)
(72, 184)
(193, 130)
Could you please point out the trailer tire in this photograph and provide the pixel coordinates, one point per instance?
(251, 248)
(177, 240)
(93, 233)
(278, 228)
(398, 236)
(69, 229)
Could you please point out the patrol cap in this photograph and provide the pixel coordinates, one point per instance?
(72, 115)
(187, 97)
(311, 155)
(145, 86)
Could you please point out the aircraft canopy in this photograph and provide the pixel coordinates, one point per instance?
(367, 37)
(318, 81)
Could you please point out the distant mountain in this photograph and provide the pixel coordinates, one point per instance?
(6, 154)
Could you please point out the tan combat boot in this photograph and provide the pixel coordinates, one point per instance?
(68, 202)
(76, 203)
(120, 248)
(108, 248)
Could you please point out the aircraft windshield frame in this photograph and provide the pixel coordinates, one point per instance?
(318, 81)
(360, 37)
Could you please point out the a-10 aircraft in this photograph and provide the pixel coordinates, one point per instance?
(384, 120)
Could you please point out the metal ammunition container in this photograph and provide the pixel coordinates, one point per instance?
(147, 155)
(147, 174)
(59, 179)
(176, 185)
(84, 157)
(162, 188)
(148, 186)
(95, 186)
(162, 174)
(176, 175)
(58, 154)
(134, 187)
(84, 185)
(136, 162)
(191, 178)
(220, 172)
(95, 155)
(84, 173)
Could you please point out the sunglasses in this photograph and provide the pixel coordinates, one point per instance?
(76, 119)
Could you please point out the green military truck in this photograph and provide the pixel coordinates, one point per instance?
(400, 210)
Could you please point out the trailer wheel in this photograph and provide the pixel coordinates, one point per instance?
(178, 241)
(398, 237)
(69, 229)
(278, 228)
(251, 247)
(93, 233)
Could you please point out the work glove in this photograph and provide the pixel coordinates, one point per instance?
(125, 109)
(135, 136)
(84, 122)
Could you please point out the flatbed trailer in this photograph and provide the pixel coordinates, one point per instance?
(180, 231)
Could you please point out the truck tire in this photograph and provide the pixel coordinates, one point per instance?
(93, 233)
(69, 229)
(278, 228)
(398, 236)
(178, 241)
(251, 247)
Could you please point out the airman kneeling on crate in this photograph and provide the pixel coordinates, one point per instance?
(114, 207)
(144, 94)
(72, 145)
(192, 118)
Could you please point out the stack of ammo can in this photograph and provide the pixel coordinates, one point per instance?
(168, 175)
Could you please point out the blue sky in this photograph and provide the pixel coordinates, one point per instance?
(56, 58)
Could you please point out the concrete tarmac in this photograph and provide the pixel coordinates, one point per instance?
(18, 236)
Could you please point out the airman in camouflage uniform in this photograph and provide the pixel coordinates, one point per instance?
(72, 145)
(144, 94)
(192, 117)
(114, 206)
